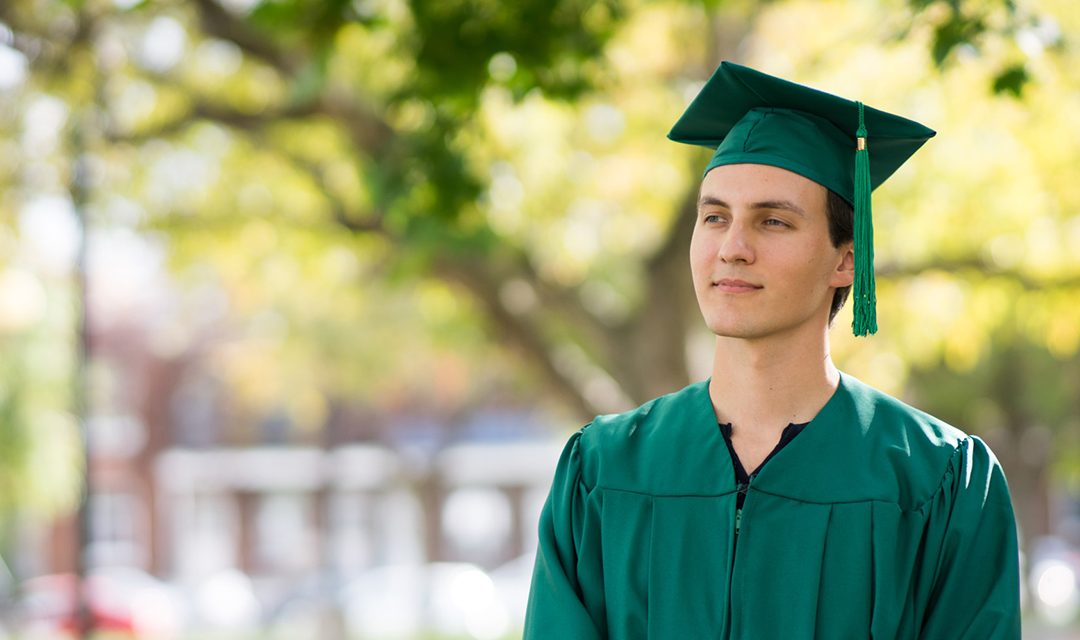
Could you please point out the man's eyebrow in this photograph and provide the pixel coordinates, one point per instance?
(785, 205)
(707, 200)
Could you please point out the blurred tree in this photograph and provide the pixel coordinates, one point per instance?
(40, 456)
(376, 112)
(387, 166)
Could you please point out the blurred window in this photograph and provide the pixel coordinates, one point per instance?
(115, 521)
(285, 533)
(193, 409)
(399, 528)
(350, 529)
(205, 527)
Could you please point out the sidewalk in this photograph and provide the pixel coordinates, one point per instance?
(1038, 630)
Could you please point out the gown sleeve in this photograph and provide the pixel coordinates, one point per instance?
(973, 587)
(556, 608)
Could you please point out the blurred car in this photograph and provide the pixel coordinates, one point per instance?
(403, 601)
(123, 601)
(311, 609)
(224, 602)
(394, 601)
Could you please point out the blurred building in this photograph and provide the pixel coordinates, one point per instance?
(176, 493)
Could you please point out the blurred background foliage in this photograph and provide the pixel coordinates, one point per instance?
(349, 199)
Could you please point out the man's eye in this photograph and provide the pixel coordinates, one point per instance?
(774, 222)
(712, 218)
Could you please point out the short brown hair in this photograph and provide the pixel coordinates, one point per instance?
(841, 222)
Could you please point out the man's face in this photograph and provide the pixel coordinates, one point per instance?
(761, 257)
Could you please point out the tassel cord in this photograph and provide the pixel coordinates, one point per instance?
(864, 293)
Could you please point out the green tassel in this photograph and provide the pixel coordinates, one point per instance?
(865, 321)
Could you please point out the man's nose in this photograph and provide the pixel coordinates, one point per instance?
(736, 245)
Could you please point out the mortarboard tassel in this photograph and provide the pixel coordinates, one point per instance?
(865, 311)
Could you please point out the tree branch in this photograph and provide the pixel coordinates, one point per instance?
(370, 223)
(520, 330)
(368, 133)
(368, 130)
(565, 304)
(484, 280)
(202, 110)
(218, 22)
(981, 265)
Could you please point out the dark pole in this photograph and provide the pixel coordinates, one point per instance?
(84, 622)
(84, 121)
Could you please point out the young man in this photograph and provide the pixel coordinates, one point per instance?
(860, 517)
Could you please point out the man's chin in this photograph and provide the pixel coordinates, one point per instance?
(737, 331)
(748, 329)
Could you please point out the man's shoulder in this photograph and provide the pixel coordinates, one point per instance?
(904, 452)
(673, 434)
(677, 405)
(888, 417)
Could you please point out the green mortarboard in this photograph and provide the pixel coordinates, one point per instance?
(752, 117)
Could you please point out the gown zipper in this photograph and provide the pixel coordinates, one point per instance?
(742, 488)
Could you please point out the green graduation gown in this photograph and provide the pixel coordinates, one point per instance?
(877, 521)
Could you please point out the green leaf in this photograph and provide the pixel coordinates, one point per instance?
(920, 5)
(1012, 80)
(958, 30)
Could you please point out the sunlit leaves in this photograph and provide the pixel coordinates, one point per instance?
(1012, 80)
(988, 28)
(421, 138)
(458, 38)
(955, 30)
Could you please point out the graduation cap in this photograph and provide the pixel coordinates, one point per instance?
(849, 148)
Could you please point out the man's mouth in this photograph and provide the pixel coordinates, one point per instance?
(731, 285)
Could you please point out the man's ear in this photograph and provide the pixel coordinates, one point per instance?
(844, 275)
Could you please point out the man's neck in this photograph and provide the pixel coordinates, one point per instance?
(760, 386)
